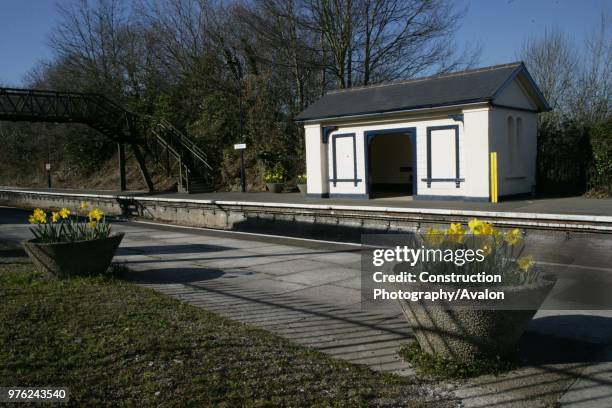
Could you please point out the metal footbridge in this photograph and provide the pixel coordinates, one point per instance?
(171, 150)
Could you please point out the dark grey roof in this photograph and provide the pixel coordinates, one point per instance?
(477, 85)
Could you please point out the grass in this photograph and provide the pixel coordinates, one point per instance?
(114, 343)
(441, 368)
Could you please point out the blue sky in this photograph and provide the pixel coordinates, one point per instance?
(500, 26)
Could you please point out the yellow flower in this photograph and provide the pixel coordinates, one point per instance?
(38, 217)
(92, 224)
(478, 227)
(55, 216)
(473, 224)
(64, 212)
(525, 263)
(513, 237)
(487, 249)
(487, 229)
(84, 205)
(95, 215)
(434, 237)
(456, 232)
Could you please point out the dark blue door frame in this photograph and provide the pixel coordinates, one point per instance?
(369, 135)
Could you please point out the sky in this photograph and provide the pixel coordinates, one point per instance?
(498, 26)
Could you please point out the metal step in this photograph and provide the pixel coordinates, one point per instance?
(199, 185)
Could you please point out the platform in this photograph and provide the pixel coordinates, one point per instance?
(297, 215)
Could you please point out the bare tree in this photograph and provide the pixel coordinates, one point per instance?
(98, 47)
(576, 82)
(179, 31)
(553, 61)
(400, 39)
(592, 99)
(282, 42)
(382, 40)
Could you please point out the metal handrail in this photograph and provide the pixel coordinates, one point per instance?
(187, 143)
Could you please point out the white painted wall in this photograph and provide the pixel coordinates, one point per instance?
(515, 95)
(519, 178)
(474, 170)
(475, 152)
(316, 160)
(444, 154)
(345, 157)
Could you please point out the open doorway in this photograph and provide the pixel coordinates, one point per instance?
(391, 164)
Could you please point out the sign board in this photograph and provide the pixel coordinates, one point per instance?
(240, 146)
(47, 166)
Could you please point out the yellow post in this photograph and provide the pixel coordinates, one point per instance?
(493, 173)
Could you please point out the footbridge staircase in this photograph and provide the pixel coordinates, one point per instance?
(148, 137)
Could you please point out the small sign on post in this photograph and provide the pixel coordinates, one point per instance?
(241, 147)
(48, 169)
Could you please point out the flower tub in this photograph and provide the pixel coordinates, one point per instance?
(80, 258)
(467, 329)
(275, 178)
(66, 244)
(301, 183)
(475, 332)
(275, 187)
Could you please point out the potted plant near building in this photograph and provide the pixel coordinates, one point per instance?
(275, 178)
(67, 245)
(478, 328)
(301, 183)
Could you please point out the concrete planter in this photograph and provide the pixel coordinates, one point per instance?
(465, 334)
(81, 258)
(275, 187)
(302, 188)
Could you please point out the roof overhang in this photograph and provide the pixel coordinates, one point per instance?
(524, 77)
(394, 112)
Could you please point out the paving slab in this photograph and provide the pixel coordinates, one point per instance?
(319, 277)
(592, 389)
(530, 387)
(290, 266)
(331, 293)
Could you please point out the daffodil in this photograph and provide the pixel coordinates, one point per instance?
(513, 237)
(84, 205)
(434, 236)
(55, 216)
(525, 263)
(64, 213)
(92, 224)
(95, 215)
(487, 228)
(473, 224)
(38, 217)
(456, 232)
(487, 249)
(478, 227)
